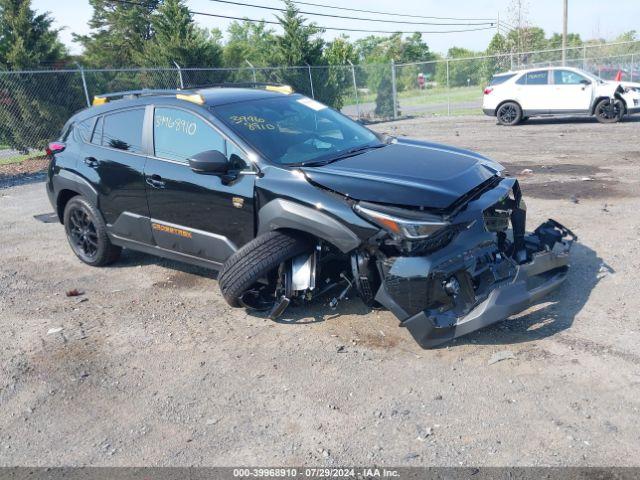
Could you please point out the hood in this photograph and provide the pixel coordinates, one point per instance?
(411, 173)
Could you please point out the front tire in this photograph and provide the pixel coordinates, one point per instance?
(87, 233)
(604, 113)
(509, 114)
(257, 259)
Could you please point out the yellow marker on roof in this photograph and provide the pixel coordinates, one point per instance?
(280, 88)
(99, 100)
(191, 97)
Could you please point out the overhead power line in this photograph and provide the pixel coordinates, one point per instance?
(330, 15)
(384, 13)
(272, 22)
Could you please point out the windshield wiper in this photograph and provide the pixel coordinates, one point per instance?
(349, 153)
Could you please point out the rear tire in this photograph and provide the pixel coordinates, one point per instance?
(256, 260)
(87, 233)
(509, 114)
(604, 114)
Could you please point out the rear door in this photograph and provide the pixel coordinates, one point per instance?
(534, 91)
(200, 215)
(572, 92)
(114, 162)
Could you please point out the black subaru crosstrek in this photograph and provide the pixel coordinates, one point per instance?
(292, 201)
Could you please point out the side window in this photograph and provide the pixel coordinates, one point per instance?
(123, 130)
(82, 131)
(539, 77)
(567, 77)
(179, 135)
(96, 138)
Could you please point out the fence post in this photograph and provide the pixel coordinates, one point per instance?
(355, 87)
(311, 81)
(584, 58)
(84, 84)
(633, 66)
(511, 60)
(179, 75)
(253, 69)
(448, 91)
(394, 90)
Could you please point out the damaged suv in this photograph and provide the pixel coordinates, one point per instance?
(293, 202)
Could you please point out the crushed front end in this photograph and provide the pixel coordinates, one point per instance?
(446, 274)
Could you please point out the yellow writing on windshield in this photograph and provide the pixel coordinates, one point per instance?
(252, 122)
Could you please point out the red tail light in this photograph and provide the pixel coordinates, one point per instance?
(488, 90)
(55, 147)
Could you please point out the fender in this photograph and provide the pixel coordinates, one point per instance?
(68, 180)
(280, 214)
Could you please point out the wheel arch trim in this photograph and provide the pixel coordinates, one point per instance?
(67, 180)
(281, 214)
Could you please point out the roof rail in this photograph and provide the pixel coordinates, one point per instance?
(272, 86)
(107, 97)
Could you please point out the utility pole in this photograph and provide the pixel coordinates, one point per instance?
(565, 20)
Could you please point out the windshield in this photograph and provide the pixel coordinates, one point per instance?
(295, 130)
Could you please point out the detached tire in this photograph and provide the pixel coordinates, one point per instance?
(603, 111)
(256, 260)
(87, 233)
(509, 114)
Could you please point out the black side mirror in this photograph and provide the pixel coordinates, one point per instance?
(211, 161)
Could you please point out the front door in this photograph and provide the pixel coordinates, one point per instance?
(195, 214)
(572, 92)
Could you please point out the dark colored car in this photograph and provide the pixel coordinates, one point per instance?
(292, 201)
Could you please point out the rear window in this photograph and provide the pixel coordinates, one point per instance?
(123, 130)
(539, 77)
(498, 79)
(82, 131)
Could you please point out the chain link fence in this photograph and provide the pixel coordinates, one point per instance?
(35, 104)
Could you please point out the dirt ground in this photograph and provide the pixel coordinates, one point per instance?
(150, 367)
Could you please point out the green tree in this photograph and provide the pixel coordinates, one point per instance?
(461, 72)
(384, 98)
(499, 57)
(176, 38)
(33, 107)
(27, 39)
(301, 44)
(249, 41)
(119, 32)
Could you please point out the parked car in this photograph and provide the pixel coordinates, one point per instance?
(292, 201)
(515, 96)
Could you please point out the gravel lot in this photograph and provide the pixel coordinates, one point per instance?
(151, 367)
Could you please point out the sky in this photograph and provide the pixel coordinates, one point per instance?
(589, 18)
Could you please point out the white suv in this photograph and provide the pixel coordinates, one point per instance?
(515, 96)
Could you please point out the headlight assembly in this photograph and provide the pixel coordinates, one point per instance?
(403, 227)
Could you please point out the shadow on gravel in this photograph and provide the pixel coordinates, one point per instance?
(132, 258)
(558, 310)
(565, 120)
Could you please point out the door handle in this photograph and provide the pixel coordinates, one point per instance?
(92, 162)
(155, 181)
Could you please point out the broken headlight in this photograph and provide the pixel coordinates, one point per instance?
(407, 228)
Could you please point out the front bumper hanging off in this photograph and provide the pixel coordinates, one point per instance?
(548, 268)
(472, 283)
